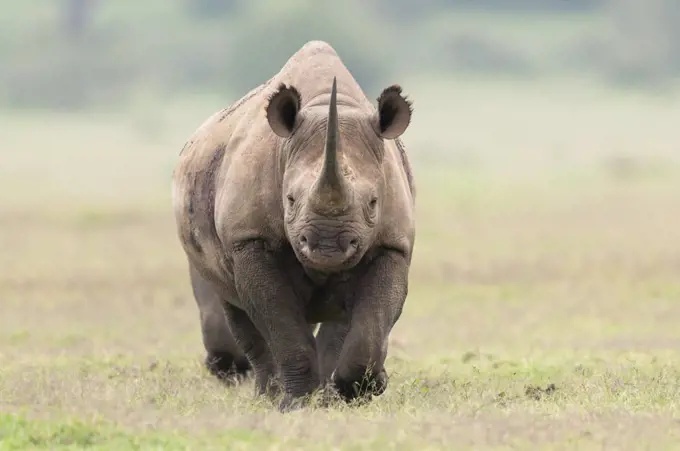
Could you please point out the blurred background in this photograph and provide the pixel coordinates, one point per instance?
(78, 54)
(495, 82)
(544, 143)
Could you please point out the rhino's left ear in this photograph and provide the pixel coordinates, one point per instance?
(394, 113)
(282, 110)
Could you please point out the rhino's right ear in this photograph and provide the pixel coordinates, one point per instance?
(394, 112)
(282, 110)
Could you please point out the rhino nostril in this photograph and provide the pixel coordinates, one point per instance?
(308, 241)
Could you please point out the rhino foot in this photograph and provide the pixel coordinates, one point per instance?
(290, 403)
(361, 389)
(320, 398)
(224, 367)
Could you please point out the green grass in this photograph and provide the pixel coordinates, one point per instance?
(19, 433)
(478, 399)
(542, 311)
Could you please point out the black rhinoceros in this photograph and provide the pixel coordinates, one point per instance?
(295, 207)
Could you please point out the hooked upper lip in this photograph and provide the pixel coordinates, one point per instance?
(330, 251)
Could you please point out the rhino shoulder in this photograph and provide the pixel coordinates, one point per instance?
(397, 226)
(225, 114)
(406, 164)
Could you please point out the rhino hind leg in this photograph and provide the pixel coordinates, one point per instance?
(224, 358)
(224, 366)
(257, 350)
(329, 341)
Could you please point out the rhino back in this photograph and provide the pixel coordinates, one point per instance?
(319, 58)
(224, 159)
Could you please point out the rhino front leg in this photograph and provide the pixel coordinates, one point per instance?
(378, 302)
(278, 314)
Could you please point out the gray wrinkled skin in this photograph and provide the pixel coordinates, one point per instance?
(295, 206)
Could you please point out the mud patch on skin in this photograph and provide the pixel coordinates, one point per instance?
(186, 145)
(193, 239)
(203, 194)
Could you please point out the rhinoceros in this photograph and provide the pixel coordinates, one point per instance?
(295, 208)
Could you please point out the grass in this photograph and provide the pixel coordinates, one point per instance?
(18, 433)
(542, 311)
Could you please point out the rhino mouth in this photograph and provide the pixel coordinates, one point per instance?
(327, 251)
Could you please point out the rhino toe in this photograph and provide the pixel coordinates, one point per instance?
(224, 367)
(361, 389)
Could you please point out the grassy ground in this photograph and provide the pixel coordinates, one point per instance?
(542, 313)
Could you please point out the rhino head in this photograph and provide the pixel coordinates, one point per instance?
(333, 184)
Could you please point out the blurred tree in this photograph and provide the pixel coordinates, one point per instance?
(276, 29)
(229, 46)
(212, 8)
(408, 10)
(539, 6)
(76, 17)
(643, 44)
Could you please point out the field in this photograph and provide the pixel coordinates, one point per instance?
(544, 298)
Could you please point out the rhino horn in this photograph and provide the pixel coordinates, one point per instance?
(331, 187)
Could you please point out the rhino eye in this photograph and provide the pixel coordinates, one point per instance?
(373, 202)
(291, 199)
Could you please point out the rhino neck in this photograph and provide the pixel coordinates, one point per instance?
(330, 189)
